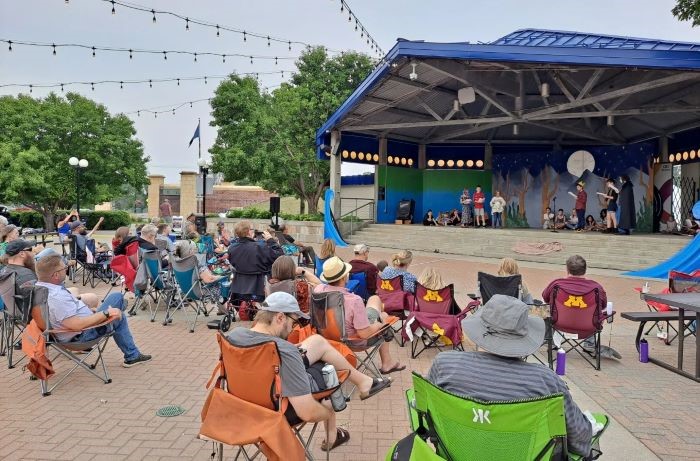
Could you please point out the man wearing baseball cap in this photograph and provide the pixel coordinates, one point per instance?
(360, 263)
(278, 314)
(507, 334)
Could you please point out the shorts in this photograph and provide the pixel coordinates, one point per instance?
(372, 315)
(612, 207)
(478, 212)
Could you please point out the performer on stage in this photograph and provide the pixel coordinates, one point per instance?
(479, 199)
(611, 196)
(581, 199)
(466, 202)
(628, 212)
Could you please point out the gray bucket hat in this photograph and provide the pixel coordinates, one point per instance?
(283, 302)
(504, 327)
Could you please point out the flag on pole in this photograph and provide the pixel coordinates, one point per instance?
(195, 135)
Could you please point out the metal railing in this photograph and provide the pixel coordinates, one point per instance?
(361, 212)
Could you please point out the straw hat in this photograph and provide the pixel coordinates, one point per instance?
(334, 269)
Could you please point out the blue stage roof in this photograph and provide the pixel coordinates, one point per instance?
(521, 50)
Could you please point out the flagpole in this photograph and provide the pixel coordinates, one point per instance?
(199, 138)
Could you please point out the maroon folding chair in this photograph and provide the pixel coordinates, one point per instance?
(437, 313)
(580, 315)
(396, 302)
(681, 282)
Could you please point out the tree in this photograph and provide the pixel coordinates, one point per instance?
(38, 136)
(687, 10)
(269, 139)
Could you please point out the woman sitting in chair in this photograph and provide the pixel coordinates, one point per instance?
(288, 277)
(185, 248)
(399, 267)
(509, 266)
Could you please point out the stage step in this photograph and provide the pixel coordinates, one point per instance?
(600, 250)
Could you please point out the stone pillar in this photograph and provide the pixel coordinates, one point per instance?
(335, 172)
(663, 148)
(188, 192)
(156, 182)
(382, 151)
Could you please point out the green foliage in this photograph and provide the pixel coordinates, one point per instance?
(513, 218)
(687, 10)
(113, 219)
(38, 136)
(255, 213)
(269, 139)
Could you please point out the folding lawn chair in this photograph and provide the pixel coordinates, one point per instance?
(78, 352)
(246, 407)
(489, 285)
(361, 288)
(681, 282)
(436, 312)
(191, 290)
(328, 317)
(396, 302)
(576, 316)
(463, 428)
(161, 286)
(299, 288)
(16, 313)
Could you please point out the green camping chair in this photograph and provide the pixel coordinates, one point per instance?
(461, 428)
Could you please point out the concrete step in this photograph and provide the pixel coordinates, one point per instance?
(600, 250)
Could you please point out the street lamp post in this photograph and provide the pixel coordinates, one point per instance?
(79, 165)
(204, 169)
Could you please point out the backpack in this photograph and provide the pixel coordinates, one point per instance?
(298, 288)
(412, 448)
(34, 346)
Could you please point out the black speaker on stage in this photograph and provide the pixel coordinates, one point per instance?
(274, 205)
(405, 209)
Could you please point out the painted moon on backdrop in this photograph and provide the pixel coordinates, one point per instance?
(580, 161)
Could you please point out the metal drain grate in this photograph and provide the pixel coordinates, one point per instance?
(169, 411)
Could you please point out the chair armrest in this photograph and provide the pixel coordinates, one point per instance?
(471, 307)
(66, 330)
(343, 375)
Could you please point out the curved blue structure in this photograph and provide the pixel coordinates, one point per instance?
(687, 260)
(330, 229)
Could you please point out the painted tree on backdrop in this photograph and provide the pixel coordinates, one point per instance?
(38, 136)
(687, 10)
(269, 138)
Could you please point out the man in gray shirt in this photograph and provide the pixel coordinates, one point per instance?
(507, 334)
(275, 319)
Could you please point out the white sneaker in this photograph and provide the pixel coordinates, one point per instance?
(662, 335)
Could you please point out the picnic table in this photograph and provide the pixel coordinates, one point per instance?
(41, 236)
(683, 302)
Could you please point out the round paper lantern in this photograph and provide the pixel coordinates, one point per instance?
(470, 163)
(390, 159)
(671, 158)
(479, 163)
(353, 155)
(410, 162)
(403, 160)
(361, 155)
(460, 163)
(450, 163)
(692, 155)
(375, 157)
(685, 155)
(431, 163)
(441, 163)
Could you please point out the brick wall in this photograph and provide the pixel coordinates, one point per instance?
(224, 198)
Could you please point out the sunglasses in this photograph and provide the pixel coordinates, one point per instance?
(295, 320)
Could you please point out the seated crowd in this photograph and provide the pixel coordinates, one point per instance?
(503, 328)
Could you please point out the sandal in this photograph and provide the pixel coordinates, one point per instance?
(342, 436)
(378, 385)
(394, 369)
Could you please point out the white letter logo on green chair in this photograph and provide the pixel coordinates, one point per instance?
(481, 416)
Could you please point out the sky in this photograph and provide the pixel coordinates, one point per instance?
(317, 22)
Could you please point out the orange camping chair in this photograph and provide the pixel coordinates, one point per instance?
(245, 407)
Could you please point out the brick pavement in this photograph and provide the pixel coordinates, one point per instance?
(85, 419)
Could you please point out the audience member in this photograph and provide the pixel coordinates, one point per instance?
(147, 241)
(572, 222)
(576, 282)
(163, 234)
(19, 258)
(8, 234)
(431, 279)
(479, 200)
(276, 318)
(306, 251)
(360, 320)
(509, 266)
(361, 264)
(429, 219)
(327, 251)
(284, 269)
(185, 248)
(381, 265)
(498, 204)
(73, 315)
(80, 235)
(223, 236)
(506, 334)
(252, 259)
(63, 224)
(399, 266)
(119, 236)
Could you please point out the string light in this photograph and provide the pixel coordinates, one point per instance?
(203, 23)
(151, 81)
(54, 49)
(359, 26)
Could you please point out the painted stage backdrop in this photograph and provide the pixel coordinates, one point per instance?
(530, 182)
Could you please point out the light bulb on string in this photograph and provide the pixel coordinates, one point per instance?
(342, 6)
(190, 103)
(205, 79)
(178, 82)
(113, 10)
(10, 42)
(282, 74)
(54, 49)
(150, 83)
(61, 87)
(275, 59)
(121, 85)
(223, 58)
(138, 113)
(355, 25)
(173, 111)
(165, 55)
(217, 30)
(131, 55)
(251, 60)
(195, 57)
(155, 114)
(244, 37)
(93, 51)
(154, 16)
(92, 86)
(290, 45)
(187, 24)
(349, 16)
(268, 40)
(30, 88)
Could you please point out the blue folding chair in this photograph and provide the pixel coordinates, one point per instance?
(191, 290)
(360, 289)
(160, 286)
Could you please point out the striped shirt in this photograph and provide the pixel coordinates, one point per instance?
(489, 377)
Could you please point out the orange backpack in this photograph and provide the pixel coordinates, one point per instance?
(34, 346)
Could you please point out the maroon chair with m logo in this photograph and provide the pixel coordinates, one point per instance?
(396, 301)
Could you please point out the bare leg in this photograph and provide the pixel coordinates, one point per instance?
(318, 349)
(330, 425)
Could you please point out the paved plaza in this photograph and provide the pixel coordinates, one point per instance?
(654, 412)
